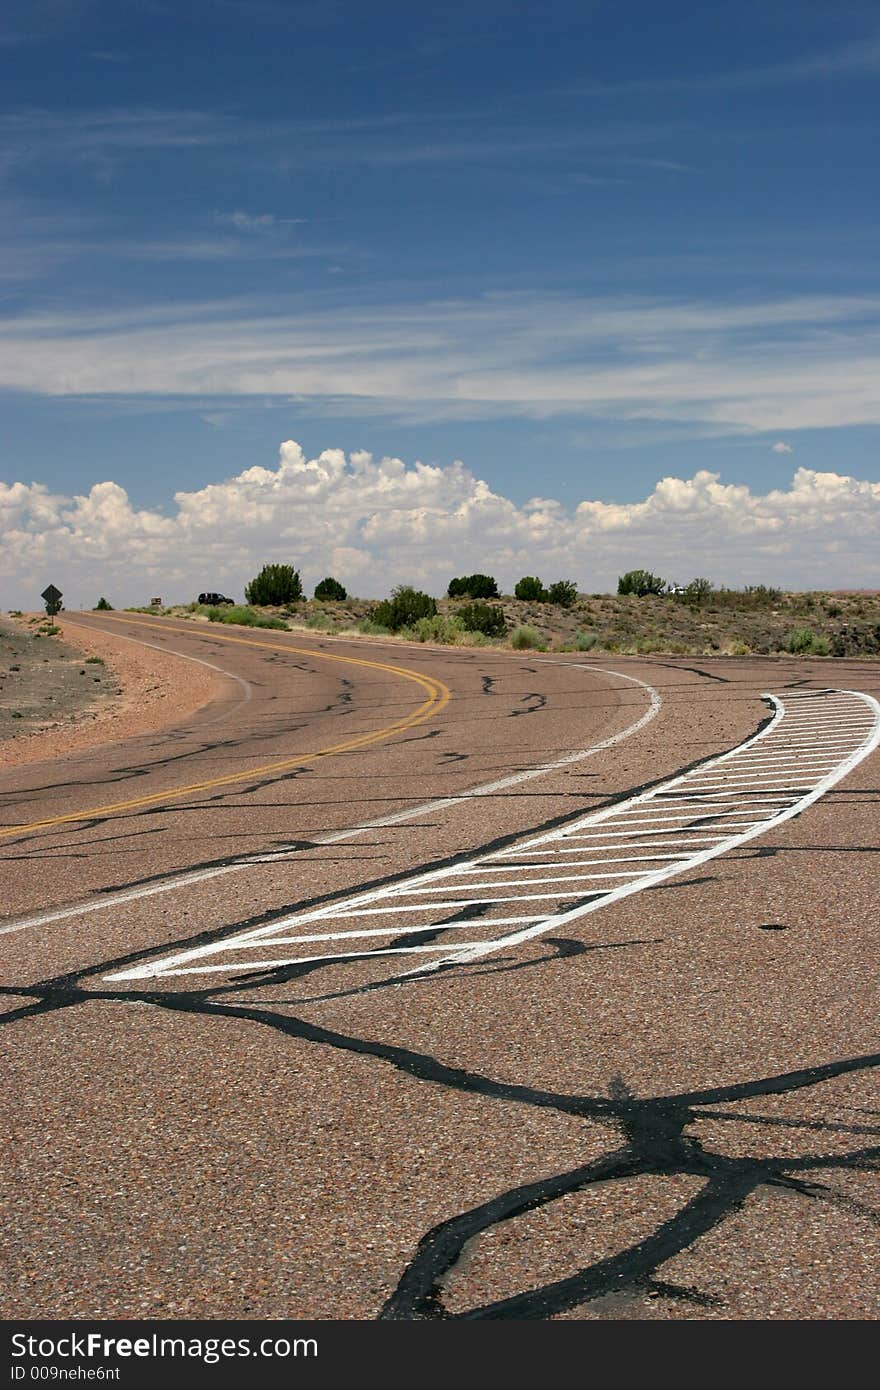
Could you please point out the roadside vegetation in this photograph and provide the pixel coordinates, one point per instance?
(648, 615)
(274, 584)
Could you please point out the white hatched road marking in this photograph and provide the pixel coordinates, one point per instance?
(793, 715)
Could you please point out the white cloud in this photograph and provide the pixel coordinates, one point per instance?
(248, 222)
(780, 447)
(377, 522)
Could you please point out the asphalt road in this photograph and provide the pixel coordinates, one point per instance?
(408, 983)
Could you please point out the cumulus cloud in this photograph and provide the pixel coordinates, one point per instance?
(780, 447)
(377, 522)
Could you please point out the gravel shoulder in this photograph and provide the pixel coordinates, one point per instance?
(82, 688)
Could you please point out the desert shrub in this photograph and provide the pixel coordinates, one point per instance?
(856, 639)
(445, 631)
(15, 613)
(102, 606)
(244, 617)
(371, 628)
(274, 584)
(585, 641)
(94, 661)
(483, 617)
(698, 591)
(383, 615)
(640, 583)
(473, 586)
(531, 589)
(526, 639)
(404, 608)
(802, 641)
(756, 596)
(330, 591)
(564, 592)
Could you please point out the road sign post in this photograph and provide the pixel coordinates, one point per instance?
(53, 599)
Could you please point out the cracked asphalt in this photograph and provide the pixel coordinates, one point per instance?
(670, 1111)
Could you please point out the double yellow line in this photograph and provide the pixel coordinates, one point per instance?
(438, 695)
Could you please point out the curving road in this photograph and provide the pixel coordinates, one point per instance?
(412, 983)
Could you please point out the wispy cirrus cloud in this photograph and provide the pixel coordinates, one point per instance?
(260, 223)
(101, 142)
(861, 56)
(777, 365)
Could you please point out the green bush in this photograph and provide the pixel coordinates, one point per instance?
(752, 597)
(274, 584)
(586, 641)
(640, 583)
(564, 592)
(473, 586)
(527, 639)
(370, 628)
(487, 618)
(383, 615)
(530, 589)
(802, 641)
(698, 590)
(404, 608)
(330, 591)
(94, 661)
(446, 631)
(102, 606)
(244, 617)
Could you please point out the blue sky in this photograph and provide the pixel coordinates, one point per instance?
(578, 246)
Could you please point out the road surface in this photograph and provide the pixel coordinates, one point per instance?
(405, 983)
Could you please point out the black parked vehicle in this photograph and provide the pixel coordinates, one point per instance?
(214, 599)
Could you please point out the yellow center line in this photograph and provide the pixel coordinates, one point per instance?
(439, 695)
